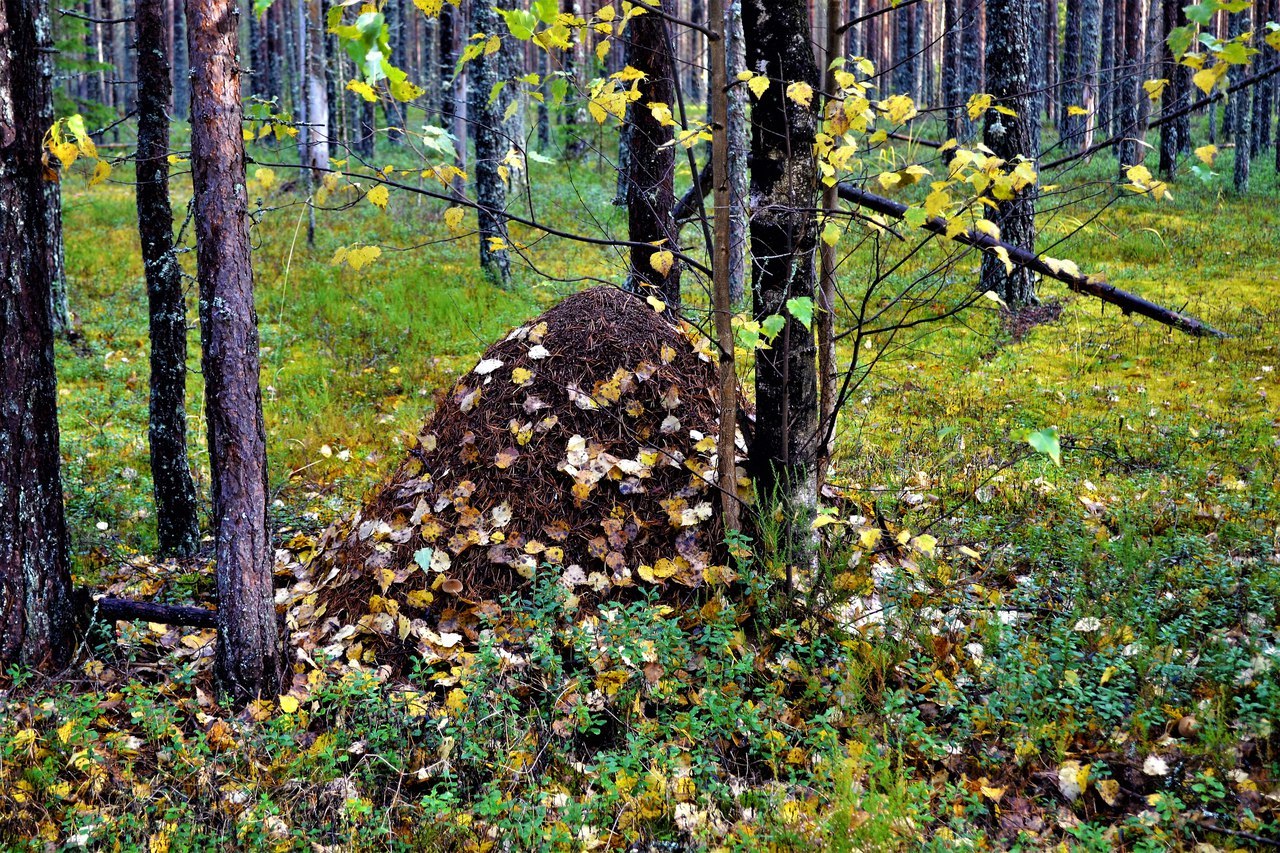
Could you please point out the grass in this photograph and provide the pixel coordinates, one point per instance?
(1028, 684)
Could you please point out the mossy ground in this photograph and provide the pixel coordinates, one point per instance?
(1111, 598)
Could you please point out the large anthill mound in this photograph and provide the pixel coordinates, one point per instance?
(583, 444)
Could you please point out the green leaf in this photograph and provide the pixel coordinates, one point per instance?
(521, 23)
(546, 10)
(771, 325)
(1046, 441)
(801, 307)
(423, 557)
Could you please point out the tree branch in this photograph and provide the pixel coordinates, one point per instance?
(1089, 285)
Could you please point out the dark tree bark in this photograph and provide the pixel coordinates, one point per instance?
(1090, 22)
(1104, 125)
(1008, 78)
(651, 161)
(177, 519)
(1176, 92)
(36, 614)
(492, 140)
(738, 143)
(1241, 114)
(249, 659)
(59, 306)
(1072, 89)
(784, 194)
(973, 61)
(952, 69)
(1127, 95)
(181, 69)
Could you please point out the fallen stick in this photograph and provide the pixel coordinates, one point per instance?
(112, 609)
(1091, 286)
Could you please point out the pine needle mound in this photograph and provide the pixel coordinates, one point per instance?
(583, 445)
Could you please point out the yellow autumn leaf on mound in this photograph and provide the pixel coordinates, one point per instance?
(655, 303)
(363, 89)
(379, 196)
(288, 704)
(800, 92)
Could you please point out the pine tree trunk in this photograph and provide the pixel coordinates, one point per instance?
(36, 616)
(973, 60)
(1176, 91)
(1090, 22)
(492, 140)
(1011, 136)
(249, 660)
(1072, 89)
(1107, 69)
(59, 306)
(784, 194)
(952, 66)
(1241, 114)
(651, 161)
(177, 520)
(181, 68)
(1127, 95)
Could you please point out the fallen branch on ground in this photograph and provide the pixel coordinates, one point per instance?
(112, 609)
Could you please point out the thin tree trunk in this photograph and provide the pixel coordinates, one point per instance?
(1241, 114)
(952, 66)
(492, 142)
(973, 60)
(36, 614)
(1127, 151)
(739, 148)
(1176, 91)
(1011, 136)
(1090, 21)
(59, 305)
(721, 23)
(181, 68)
(177, 520)
(1107, 69)
(249, 661)
(1072, 90)
(784, 193)
(824, 316)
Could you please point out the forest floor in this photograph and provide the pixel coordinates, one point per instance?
(1090, 655)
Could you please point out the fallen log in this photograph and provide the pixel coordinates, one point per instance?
(1089, 285)
(110, 609)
